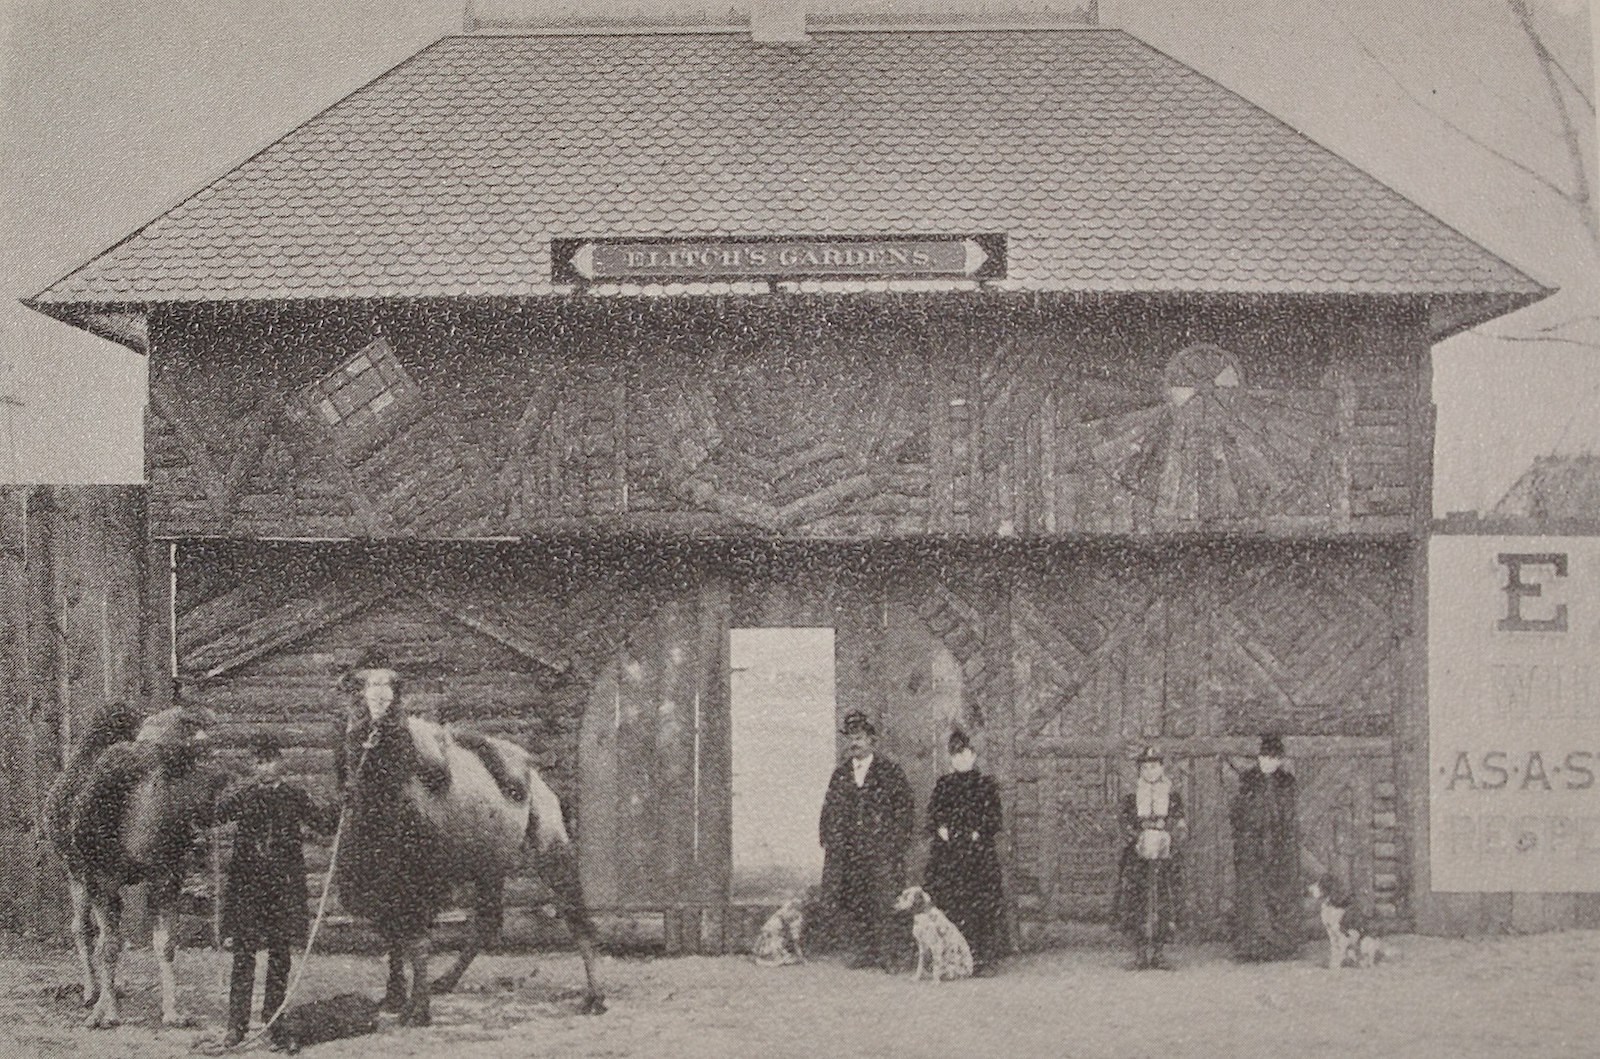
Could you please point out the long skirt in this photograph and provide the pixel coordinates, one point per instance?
(963, 880)
(1140, 880)
(1267, 919)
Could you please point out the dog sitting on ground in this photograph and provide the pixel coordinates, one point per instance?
(941, 950)
(1349, 943)
(778, 944)
(321, 1021)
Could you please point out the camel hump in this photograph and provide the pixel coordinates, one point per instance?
(94, 830)
(492, 753)
(503, 761)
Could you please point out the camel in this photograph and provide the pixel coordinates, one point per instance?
(125, 810)
(428, 807)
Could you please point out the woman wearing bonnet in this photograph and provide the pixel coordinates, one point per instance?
(1150, 879)
(963, 875)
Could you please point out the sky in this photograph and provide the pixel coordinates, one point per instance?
(113, 111)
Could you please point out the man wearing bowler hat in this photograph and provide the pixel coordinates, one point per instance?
(867, 819)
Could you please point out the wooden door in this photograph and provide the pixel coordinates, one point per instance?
(1199, 652)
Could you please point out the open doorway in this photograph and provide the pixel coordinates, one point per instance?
(783, 753)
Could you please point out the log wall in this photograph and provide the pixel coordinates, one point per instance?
(610, 665)
(838, 419)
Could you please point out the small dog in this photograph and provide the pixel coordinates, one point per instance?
(778, 944)
(333, 1019)
(1349, 944)
(941, 950)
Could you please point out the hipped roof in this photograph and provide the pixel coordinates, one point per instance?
(1109, 166)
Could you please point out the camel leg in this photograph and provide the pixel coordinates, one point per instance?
(80, 938)
(418, 1007)
(107, 943)
(558, 867)
(487, 908)
(166, 948)
(394, 994)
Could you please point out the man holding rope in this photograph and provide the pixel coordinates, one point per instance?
(264, 900)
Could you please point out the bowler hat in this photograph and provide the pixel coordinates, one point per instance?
(856, 721)
(1149, 753)
(371, 658)
(1271, 745)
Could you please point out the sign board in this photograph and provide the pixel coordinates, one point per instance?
(1514, 713)
(733, 259)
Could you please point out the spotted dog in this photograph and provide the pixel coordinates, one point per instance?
(1349, 943)
(778, 944)
(941, 950)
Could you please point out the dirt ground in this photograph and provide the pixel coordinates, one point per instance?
(1458, 998)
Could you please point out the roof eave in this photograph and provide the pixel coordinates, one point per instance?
(125, 323)
(1450, 315)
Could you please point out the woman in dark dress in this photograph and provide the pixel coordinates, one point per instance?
(963, 876)
(1267, 918)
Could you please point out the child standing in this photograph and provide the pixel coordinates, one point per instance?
(264, 899)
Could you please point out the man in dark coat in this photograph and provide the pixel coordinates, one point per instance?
(1266, 859)
(963, 875)
(866, 827)
(1150, 874)
(264, 899)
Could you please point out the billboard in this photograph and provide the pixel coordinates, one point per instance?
(1514, 713)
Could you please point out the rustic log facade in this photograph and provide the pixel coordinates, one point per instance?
(844, 418)
(1117, 521)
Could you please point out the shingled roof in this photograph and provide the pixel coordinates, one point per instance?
(1109, 165)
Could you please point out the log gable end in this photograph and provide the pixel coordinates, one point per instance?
(841, 419)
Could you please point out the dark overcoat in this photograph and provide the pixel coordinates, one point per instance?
(963, 874)
(1267, 914)
(264, 898)
(866, 830)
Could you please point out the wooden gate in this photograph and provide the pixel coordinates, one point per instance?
(83, 626)
(1199, 652)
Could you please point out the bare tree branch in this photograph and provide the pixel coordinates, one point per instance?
(1581, 197)
(1572, 82)
(1516, 163)
(1554, 339)
(1561, 324)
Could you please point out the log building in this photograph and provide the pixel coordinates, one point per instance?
(1086, 404)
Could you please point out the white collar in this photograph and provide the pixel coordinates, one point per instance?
(860, 766)
(1151, 799)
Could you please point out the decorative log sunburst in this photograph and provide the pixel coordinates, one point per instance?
(1214, 448)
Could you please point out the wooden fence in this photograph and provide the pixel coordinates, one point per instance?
(84, 598)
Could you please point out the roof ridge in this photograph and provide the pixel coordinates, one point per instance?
(884, 19)
(743, 30)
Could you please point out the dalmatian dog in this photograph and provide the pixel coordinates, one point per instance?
(778, 944)
(941, 950)
(1349, 944)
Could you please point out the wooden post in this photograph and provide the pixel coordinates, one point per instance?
(1412, 781)
(713, 843)
(44, 718)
